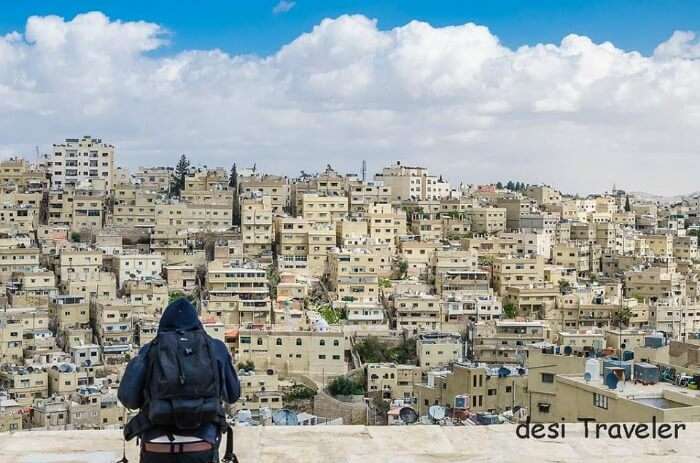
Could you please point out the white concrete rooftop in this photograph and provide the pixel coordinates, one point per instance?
(360, 444)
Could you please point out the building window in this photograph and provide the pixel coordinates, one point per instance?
(547, 378)
(298, 341)
(600, 401)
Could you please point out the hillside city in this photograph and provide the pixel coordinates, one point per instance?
(392, 298)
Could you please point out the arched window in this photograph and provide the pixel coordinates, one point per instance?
(336, 343)
(298, 341)
(322, 342)
(279, 341)
(260, 342)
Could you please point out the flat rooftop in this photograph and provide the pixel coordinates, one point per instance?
(652, 394)
(361, 444)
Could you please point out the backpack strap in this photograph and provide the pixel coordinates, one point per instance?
(137, 425)
(229, 456)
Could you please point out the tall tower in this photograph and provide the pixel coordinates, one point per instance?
(364, 170)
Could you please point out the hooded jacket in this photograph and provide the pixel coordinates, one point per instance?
(179, 315)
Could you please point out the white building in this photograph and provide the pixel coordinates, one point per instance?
(79, 160)
(139, 267)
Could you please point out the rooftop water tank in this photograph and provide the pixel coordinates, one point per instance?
(593, 368)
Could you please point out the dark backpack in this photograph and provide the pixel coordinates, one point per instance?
(183, 386)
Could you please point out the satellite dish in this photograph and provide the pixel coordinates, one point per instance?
(285, 417)
(436, 412)
(408, 415)
(587, 377)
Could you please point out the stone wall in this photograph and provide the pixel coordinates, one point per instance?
(328, 407)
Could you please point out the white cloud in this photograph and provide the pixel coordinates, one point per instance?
(576, 114)
(283, 6)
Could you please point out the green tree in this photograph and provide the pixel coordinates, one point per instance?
(345, 386)
(564, 286)
(622, 317)
(299, 392)
(403, 268)
(499, 185)
(509, 310)
(628, 207)
(510, 185)
(233, 178)
(181, 169)
(248, 365)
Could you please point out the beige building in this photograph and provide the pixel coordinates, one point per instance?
(256, 225)
(519, 272)
(353, 275)
(156, 179)
(438, 349)
(393, 381)
(476, 388)
(311, 353)
(238, 295)
(487, 220)
(504, 341)
(418, 312)
(577, 399)
(324, 209)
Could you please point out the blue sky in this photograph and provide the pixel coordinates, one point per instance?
(252, 27)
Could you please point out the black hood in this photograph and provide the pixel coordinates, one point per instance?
(179, 315)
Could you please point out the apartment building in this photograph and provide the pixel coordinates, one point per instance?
(324, 209)
(518, 272)
(17, 174)
(385, 224)
(194, 217)
(259, 389)
(543, 194)
(80, 160)
(353, 274)
(18, 260)
(503, 341)
(392, 381)
(487, 220)
(417, 255)
(272, 186)
(292, 241)
(412, 183)
(238, 295)
(544, 363)
(77, 264)
(635, 402)
(417, 312)
(134, 206)
(24, 384)
(478, 388)
(321, 240)
(314, 353)
(256, 225)
(655, 283)
(157, 179)
(137, 267)
(363, 195)
(438, 349)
